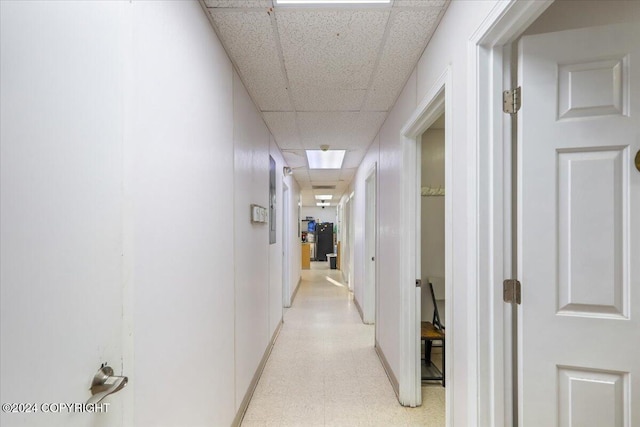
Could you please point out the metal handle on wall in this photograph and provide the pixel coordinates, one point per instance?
(105, 383)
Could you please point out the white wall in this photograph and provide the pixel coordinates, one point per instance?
(153, 128)
(328, 214)
(180, 179)
(432, 217)
(251, 153)
(448, 47)
(571, 14)
(258, 264)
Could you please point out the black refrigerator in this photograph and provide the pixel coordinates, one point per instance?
(324, 240)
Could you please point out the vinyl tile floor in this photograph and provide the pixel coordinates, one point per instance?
(324, 371)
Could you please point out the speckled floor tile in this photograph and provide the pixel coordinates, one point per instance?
(324, 371)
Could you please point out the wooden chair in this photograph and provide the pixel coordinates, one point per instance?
(430, 332)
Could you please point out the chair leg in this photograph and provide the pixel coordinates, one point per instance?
(427, 352)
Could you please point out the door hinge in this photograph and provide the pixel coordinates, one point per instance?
(418, 283)
(511, 100)
(511, 291)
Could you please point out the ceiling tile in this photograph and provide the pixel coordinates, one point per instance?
(295, 158)
(369, 124)
(340, 130)
(249, 39)
(315, 98)
(353, 159)
(419, 3)
(301, 175)
(332, 128)
(304, 185)
(330, 175)
(347, 174)
(333, 48)
(342, 186)
(409, 33)
(238, 3)
(283, 128)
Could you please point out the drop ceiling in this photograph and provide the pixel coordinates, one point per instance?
(324, 74)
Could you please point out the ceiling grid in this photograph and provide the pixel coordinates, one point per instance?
(324, 75)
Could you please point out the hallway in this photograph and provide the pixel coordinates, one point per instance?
(324, 371)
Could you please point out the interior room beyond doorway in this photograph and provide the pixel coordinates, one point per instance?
(432, 256)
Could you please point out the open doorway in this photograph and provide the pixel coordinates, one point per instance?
(431, 117)
(432, 264)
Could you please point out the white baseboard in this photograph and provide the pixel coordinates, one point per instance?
(295, 292)
(392, 378)
(256, 377)
(357, 304)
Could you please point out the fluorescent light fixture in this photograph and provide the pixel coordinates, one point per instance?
(323, 204)
(298, 2)
(324, 197)
(329, 159)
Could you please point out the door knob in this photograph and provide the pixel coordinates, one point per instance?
(105, 383)
(638, 160)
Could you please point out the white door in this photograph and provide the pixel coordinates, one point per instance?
(579, 228)
(369, 309)
(61, 210)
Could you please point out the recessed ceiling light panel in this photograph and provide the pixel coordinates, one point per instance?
(329, 159)
(324, 197)
(304, 2)
(323, 204)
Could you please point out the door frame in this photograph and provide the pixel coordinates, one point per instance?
(351, 237)
(488, 193)
(370, 303)
(286, 244)
(490, 167)
(437, 101)
(345, 250)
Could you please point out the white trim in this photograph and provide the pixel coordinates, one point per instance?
(489, 197)
(387, 369)
(357, 304)
(428, 111)
(286, 246)
(237, 421)
(437, 100)
(369, 309)
(295, 291)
